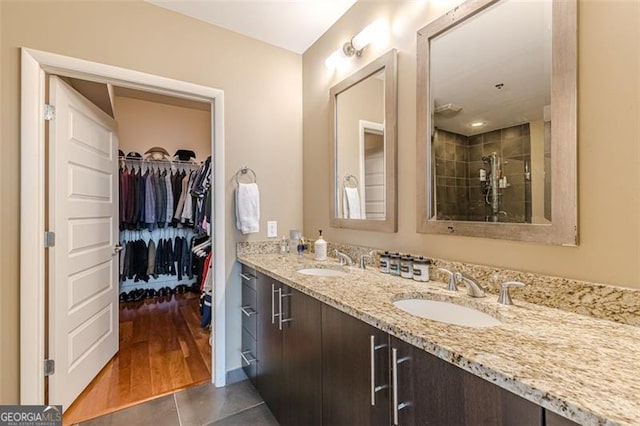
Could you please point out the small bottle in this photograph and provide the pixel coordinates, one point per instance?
(384, 262)
(301, 246)
(406, 266)
(320, 247)
(421, 269)
(294, 237)
(284, 246)
(394, 264)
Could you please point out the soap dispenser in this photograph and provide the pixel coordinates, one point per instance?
(320, 247)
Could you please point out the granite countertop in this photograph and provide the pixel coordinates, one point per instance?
(585, 369)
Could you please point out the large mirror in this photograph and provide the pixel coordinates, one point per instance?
(363, 146)
(497, 121)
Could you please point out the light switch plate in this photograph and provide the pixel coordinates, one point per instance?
(272, 228)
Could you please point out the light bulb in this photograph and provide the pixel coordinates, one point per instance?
(334, 59)
(374, 31)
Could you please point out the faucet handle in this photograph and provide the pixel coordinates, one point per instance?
(505, 297)
(451, 285)
(364, 257)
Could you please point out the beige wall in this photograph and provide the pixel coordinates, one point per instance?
(143, 124)
(263, 104)
(609, 141)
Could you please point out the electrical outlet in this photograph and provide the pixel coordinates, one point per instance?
(272, 229)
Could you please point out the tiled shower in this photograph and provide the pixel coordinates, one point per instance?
(461, 195)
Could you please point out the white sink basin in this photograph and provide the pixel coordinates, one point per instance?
(322, 272)
(446, 312)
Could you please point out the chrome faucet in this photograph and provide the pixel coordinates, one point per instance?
(363, 259)
(473, 287)
(451, 285)
(505, 298)
(343, 258)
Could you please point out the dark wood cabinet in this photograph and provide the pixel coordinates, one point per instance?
(315, 365)
(432, 391)
(301, 361)
(269, 379)
(353, 353)
(289, 365)
(553, 419)
(249, 314)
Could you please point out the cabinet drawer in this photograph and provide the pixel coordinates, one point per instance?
(248, 276)
(249, 355)
(249, 310)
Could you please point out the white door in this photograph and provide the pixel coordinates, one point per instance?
(83, 267)
(374, 180)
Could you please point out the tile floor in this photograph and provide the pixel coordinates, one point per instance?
(235, 404)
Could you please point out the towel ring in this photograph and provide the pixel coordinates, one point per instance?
(242, 172)
(348, 178)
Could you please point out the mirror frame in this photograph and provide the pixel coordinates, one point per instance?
(563, 229)
(388, 63)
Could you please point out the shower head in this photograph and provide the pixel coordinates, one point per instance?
(491, 157)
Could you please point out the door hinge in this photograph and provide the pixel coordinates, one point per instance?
(49, 367)
(49, 112)
(49, 239)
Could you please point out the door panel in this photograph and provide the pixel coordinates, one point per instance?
(268, 380)
(301, 358)
(83, 206)
(440, 393)
(346, 371)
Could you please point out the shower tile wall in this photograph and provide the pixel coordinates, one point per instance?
(459, 192)
(451, 153)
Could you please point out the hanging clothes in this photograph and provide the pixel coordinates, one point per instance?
(158, 198)
(169, 256)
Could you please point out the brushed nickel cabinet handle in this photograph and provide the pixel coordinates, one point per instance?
(395, 362)
(372, 349)
(248, 310)
(249, 361)
(282, 320)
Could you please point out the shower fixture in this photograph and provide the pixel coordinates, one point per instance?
(492, 183)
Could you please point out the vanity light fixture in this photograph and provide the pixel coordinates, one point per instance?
(373, 33)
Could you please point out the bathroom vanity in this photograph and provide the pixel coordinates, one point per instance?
(335, 350)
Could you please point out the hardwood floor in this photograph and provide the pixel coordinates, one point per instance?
(162, 349)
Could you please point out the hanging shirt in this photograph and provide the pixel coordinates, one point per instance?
(169, 190)
(149, 203)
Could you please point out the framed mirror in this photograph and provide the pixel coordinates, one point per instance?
(363, 148)
(496, 121)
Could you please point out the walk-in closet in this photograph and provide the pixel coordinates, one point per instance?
(165, 268)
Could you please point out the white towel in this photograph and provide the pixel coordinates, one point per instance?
(352, 203)
(248, 208)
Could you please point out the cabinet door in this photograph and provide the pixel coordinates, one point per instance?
(438, 393)
(430, 390)
(301, 360)
(269, 380)
(553, 419)
(347, 371)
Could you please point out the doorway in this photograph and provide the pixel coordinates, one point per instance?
(35, 64)
(162, 314)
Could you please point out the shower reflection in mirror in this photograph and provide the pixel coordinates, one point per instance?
(491, 176)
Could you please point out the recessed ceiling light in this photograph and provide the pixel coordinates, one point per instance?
(477, 124)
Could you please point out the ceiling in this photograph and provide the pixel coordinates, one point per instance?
(291, 24)
(508, 44)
